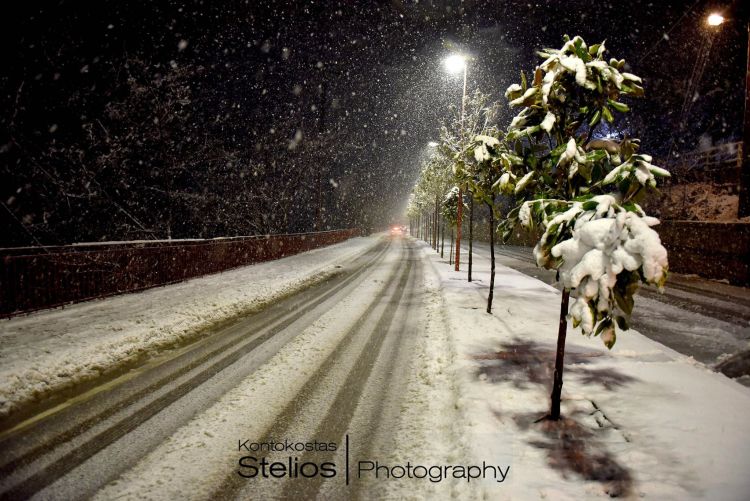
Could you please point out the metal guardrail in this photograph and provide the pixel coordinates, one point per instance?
(34, 278)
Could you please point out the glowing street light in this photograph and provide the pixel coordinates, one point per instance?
(455, 63)
(715, 19)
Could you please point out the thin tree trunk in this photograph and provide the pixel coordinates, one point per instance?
(471, 229)
(450, 255)
(442, 238)
(492, 256)
(554, 412)
(435, 233)
(432, 230)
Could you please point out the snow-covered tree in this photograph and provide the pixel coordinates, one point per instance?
(480, 118)
(482, 159)
(435, 178)
(584, 192)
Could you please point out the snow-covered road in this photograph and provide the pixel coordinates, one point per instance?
(387, 356)
(336, 359)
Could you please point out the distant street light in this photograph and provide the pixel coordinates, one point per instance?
(454, 64)
(715, 19)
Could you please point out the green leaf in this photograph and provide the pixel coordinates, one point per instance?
(621, 107)
(602, 325)
(595, 119)
(590, 205)
(624, 303)
(607, 114)
(609, 343)
(622, 322)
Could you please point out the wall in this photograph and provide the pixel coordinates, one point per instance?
(717, 250)
(33, 278)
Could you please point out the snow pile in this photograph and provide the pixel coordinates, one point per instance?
(54, 350)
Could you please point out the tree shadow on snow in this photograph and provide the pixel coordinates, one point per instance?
(574, 448)
(527, 362)
(571, 447)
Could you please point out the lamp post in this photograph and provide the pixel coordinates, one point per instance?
(716, 19)
(744, 195)
(454, 64)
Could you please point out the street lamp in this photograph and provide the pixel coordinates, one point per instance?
(715, 19)
(454, 64)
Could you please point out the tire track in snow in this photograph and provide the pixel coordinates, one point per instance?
(368, 361)
(67, 440)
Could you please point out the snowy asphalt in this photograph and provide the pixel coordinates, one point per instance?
(89, 442)
(705, 319)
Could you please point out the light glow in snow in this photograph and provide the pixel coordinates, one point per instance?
(715, 19)
(455, 63)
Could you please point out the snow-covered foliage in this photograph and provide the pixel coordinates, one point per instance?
(555, 82)
(435, 179)
(449, 209)
(581, 190)
(479, 121)
(610, 249)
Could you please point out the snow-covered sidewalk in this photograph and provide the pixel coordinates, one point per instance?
(641, 420)
(54, 350)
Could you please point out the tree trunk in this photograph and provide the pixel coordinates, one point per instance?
(442, 238)
(471, 229)
(431, 230)
(450, 255)
(554, 412)
(492, 256)
(435, 236)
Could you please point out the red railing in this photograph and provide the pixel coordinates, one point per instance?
(34, 278)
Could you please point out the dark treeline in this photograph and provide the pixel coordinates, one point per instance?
(141, 120)
(186, 118)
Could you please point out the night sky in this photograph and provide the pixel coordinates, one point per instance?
(137, 120)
